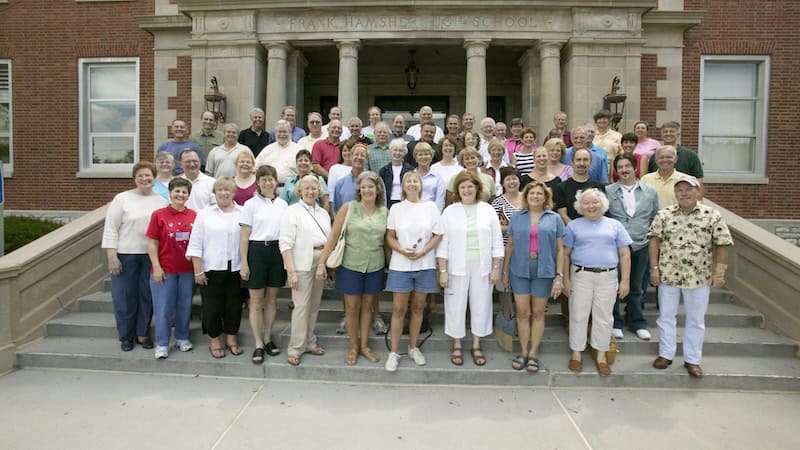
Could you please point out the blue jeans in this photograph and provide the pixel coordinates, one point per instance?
(172, 299)
(633, 306)
(130, 294)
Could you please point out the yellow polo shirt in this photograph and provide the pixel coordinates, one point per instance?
(664, 186)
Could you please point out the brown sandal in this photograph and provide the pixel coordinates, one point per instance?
(317, 351)
(351, 357)
(217, 352)
(367, 352)
(293, 360)
(457, 356)
(478, 357)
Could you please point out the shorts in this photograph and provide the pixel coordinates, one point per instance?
(266, 266)
(537, 287)
(412, 281)
(350, 282)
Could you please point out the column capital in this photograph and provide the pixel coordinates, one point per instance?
(348, 47)
(476, 47)
(277, 49)
(549, 49)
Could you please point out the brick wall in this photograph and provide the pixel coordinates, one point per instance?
(753, 27)
(44, 39)
(182, 102)
(650, 74)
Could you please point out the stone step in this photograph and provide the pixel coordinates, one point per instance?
(721, 372)
(718, 314)
(719, 340)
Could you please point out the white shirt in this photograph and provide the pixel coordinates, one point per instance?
(263, 217)
(221, 162)
(281, 157)
(335, 174)
(307, 142)
(415, 131)
(127, 219)
(202, 195)
(215, 238)
(628, 198)
(453, 228)
(345, 132)
(397, 183)
(446, 172)
(414, 225)
(300, 233)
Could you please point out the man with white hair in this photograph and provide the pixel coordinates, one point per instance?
(281, 154)
(399, 129)
(425, 115)
(314, 131)
(379, 153)
(202, 194)
(354, 126)
(255, 137)
(688, 256)
(222, 159)
(663, 180)
(487, 134)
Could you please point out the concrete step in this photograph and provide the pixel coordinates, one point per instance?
(721, 372)
(719, 314)
(718, 341)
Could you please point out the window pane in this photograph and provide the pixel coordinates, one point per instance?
(728, 154)
(5, 119)
(112, 82)
(730, 80)
(114, 117)
(112, 150)
(4, 150)
(734, 118)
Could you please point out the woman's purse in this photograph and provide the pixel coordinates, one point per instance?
(335, 258)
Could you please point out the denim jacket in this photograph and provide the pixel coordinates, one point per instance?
(550, 227)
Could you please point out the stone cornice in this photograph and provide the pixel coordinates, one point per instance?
(164, 23)
(216, 5)
(677, 19)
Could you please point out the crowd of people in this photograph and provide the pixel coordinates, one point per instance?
(588, 214)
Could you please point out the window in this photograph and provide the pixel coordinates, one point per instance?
(733, 117)
(109, 119)
(6, 124)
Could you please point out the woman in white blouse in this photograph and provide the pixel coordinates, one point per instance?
(305, 227)
(469, 258)
(128, 263)
(262, 266)
(214, 249)
(412, 235)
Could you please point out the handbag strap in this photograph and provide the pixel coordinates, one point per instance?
(346, 217)
(317, 222)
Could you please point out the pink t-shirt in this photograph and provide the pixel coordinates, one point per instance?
(244, 194)
(534, 247)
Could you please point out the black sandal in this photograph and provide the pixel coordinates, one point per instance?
(533, 364)
(519, 362)
(272, 349)
(258, 356)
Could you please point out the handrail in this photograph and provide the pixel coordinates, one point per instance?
(43, 279)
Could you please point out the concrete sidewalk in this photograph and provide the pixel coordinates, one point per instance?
(86, 410)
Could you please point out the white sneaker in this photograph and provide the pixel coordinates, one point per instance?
(643, 334)
(617, 333)
(342, 326)
(416, 356)
(184, 345)
(392, 361)
(162, 352)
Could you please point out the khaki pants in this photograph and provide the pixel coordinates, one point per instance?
(306, 298)
(595, 294)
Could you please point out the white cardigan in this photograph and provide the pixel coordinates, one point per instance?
(297, 233)
(453, 248)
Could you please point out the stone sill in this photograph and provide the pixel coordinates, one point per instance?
(735, 179)
(123, 173)
(161, 23)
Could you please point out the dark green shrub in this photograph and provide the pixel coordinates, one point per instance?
(23, 230)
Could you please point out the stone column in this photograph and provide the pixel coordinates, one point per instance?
(348, 77)
(276, 82)
(476, 77)
(295, 84)
(550, 94)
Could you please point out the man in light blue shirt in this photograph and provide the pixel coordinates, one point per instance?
(580, 139)
(634, 205)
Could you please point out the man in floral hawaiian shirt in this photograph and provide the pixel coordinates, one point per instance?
(688, 255)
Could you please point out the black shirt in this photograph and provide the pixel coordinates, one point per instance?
(564, 194)
(255, 142)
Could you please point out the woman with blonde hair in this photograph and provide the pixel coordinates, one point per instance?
(245, 178)
(360, 276)
(531, 268)
(556, 151)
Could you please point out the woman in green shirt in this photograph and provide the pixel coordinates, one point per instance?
(360, 277)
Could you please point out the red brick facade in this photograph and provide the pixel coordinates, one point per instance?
(44, 40)
(650, 74)
(753, 27)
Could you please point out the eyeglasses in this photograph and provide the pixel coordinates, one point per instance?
(315, 122)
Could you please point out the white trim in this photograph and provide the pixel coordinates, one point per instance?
(759, 173)
(8, 168)
(86, 167)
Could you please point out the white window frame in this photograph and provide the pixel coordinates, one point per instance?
(759, 173)
(8, 168)
(87, 168)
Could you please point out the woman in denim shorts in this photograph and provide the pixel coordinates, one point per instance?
(412, 234)
(360, 278)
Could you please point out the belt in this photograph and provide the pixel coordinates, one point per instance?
(266, 243)
(319, 247)
(594, 269)
(534, 255)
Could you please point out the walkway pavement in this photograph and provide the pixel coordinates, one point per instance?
(69, 409)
